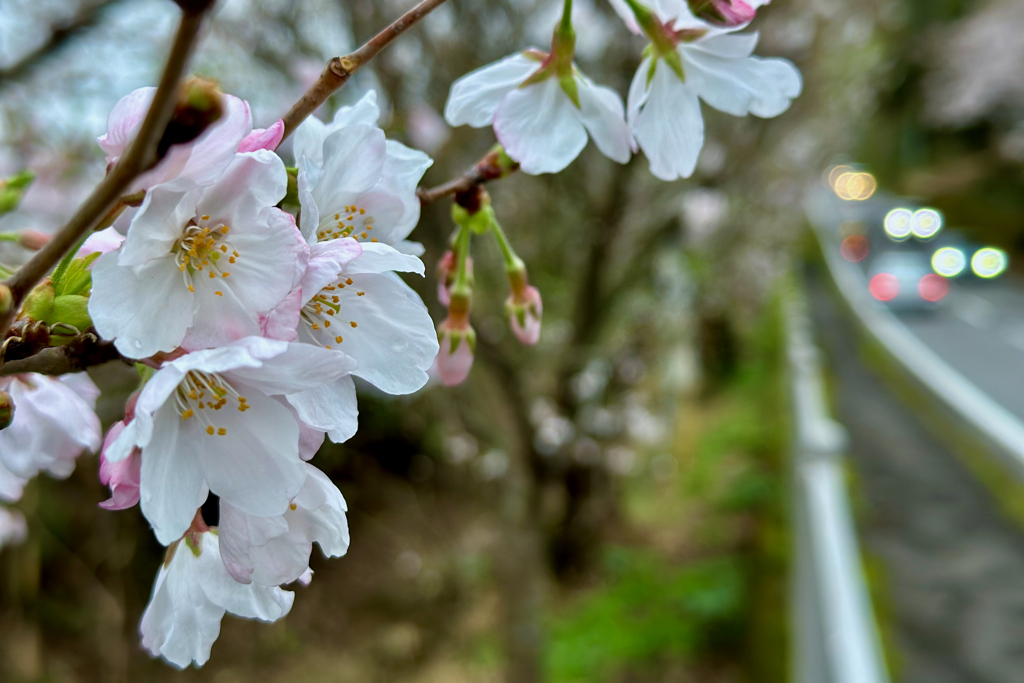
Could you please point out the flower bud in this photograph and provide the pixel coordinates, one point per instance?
(12, 189)
(524, 313)
(199, 106)
(458, 346)
(70, 309)
(6, 410)
(122, 477)
(727, 13)
(33, 239)
(447, 269)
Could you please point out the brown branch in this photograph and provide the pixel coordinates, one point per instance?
(61, 35)
(488, 168)
(75, 356)
(140, 157)
(340, 69)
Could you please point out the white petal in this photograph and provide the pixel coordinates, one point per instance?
(763, 87)
(475, 97)
(403, 169)
(365, 112)
(320, 514)
(11, 485)
(220, 318)
(393, 340)
(734, 46)
(250, 601)
(297, 368)
(326, 262)
(353, 161)
(159, 222)
(255, 466)
(604, 116)
(124, 120)
(172, 484)
(329, 407)
(540, 127)
(638, 94)
(252, 181)
(670, 129)
(143, 311)
(380, 258)
(308, 141)
(239, 533)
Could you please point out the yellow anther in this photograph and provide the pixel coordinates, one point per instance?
(191, 288)
(205, 218)
(291, 505)
(209, 430)
(212, 275)
(315, 326)
(187, 414)
(224, 248)
(222, 431)
(353, 324)
(362, 211)
(219, 293)
(360, 293)
(231, 259)
(348, 281)
(225, 274)
(338, 339)
(327, 323)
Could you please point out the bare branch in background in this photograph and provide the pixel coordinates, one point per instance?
(140, 157)
(340, 69)
(62, 34)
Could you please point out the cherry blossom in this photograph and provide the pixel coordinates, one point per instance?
(358, 197)
(458, 345)
(191, 594)
(353, 182)
(226, 420)
(200, 264)
(202, 161)
(122, 476)
(690, 60)
(524, 309)
(275, 550)
(541, 119)
(53, 424)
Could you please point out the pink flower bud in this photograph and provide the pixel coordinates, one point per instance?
(458, 344)
(33, 239)
(723, 12)
(524, 310)
(122, 477)
(446, 271)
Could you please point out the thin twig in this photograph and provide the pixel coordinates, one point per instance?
(75, 356)
(340, 69)
(488, 168)
(140, 157)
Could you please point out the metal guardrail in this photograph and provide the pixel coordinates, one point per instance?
(994, 422)
(836, 638)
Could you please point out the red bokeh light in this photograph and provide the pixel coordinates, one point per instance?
(933, 287)
(855, 248)
(884, 286)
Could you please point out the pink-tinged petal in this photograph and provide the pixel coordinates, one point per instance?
(475, 97)
(124, 120)
(221, 317)
(310, 439)
(728, 13)
(669, 128)
(239, 533)
(283, 322)
(604, 116)
(102, 242)
(122, 477)
(540, 127)
(251, 182)
(263, 138)
(326, 262)
(145, 310)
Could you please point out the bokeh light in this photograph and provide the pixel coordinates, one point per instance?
(854, 186)
(949, 261)
(855, 248)
(884, 287)
(898, 223)
(989, 262)
(933, 287)
(926, 223)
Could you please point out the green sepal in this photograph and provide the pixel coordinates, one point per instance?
(570, 88)
(39, 303)
(196, 550)
(71, 309)
(13, 188)
(145, 372)
(77, 277)
(539, 76)
(479, 222)
(291, 197)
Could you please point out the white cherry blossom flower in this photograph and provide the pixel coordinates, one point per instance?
(192, 593)
(53, 424)
(227, 420)
(202, 161)
(358, 196)
(348, 164)
(691, 60)
(540, 119)
(275, 550)
(200, 264)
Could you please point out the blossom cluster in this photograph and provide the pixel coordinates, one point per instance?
(250, 294)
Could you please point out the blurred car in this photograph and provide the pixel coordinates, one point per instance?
(905, 280)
